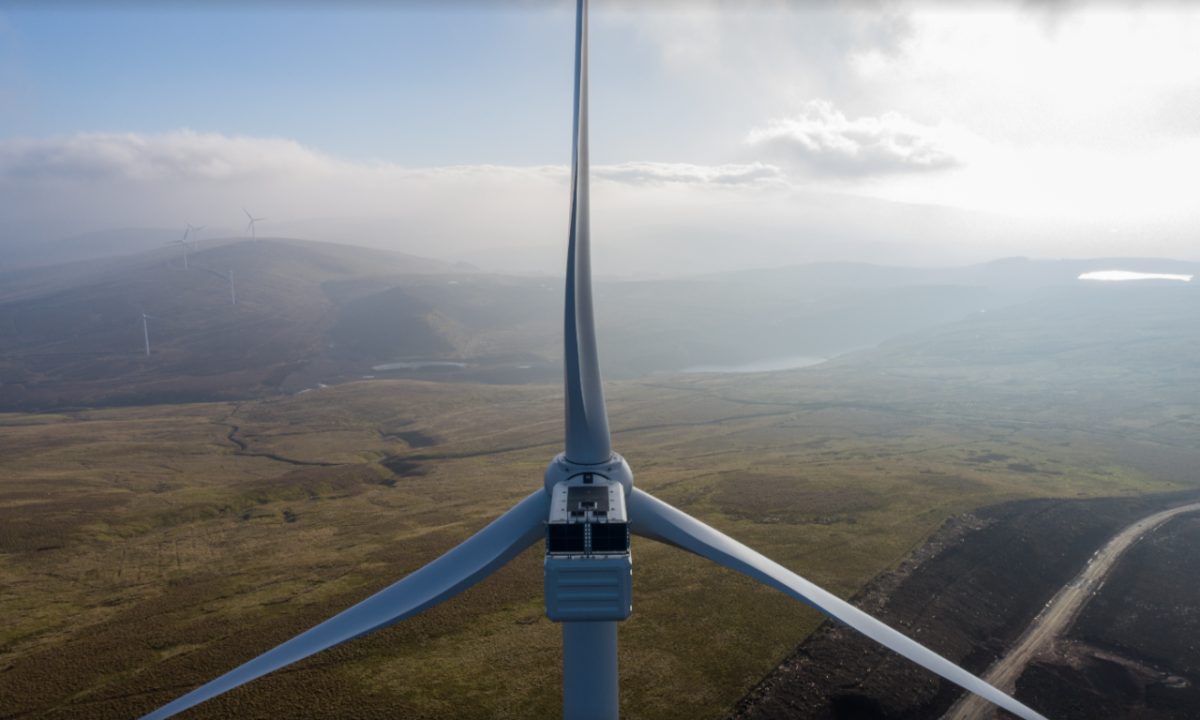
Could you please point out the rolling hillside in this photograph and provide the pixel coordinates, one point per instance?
(315, 314)
(72, 335)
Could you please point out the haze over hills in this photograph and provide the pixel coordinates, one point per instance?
(92, 246)
(72, 334)
(312, 314)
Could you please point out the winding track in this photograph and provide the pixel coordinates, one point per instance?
(1058, 615)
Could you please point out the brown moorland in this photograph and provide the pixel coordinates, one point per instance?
(153, 548)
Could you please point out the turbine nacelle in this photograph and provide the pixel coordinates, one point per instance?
(614, 470)
(588, 570)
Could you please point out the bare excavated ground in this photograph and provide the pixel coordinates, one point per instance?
(1134, 652)
(972, 590)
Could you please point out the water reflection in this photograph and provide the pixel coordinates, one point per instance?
(767, 365)
(416, 365)
(1126, 275)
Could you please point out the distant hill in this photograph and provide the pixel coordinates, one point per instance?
(312, 314)
(72, 334)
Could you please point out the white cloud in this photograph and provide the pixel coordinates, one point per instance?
(824, 142)
(59, 186)
(182, 155)
(753, 213)
(1102, 74)
(189, 157)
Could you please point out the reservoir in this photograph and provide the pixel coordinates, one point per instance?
(766, 365)
(417, 365)
(1123, 275)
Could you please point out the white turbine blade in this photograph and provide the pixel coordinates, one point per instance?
(473, 560)
(652, 518)
(588, 440)
(247, 213)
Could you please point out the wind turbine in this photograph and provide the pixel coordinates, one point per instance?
(195, 236)
(183, 243)
(253, 220)
(145, 328)
(585, 511)
(232, 294)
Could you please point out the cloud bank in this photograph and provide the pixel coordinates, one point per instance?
(667, 217)
(177, 156)
(822, 141)
(65, 185)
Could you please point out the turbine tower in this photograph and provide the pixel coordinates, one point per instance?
(232, 294)
(145, 328)
(195, 237)
(183, 244)
(253, 220)
(584, 511)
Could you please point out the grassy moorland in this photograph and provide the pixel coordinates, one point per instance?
(147, 550)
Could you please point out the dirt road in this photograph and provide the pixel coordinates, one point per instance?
(1058, 615)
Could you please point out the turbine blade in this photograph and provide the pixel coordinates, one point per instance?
(247, 212)
(588, 440)
(657, 520)
(473, 560)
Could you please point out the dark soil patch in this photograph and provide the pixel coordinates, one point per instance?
(1022, 467)
(1145, 624)
(403, 469)
(417, 439)
(968, 594)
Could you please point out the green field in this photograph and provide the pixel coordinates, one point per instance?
(147, 550)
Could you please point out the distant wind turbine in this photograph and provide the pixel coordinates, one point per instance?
(196, 237)
(146, 327)
(183, 243)
(232, 294)
(253, 220)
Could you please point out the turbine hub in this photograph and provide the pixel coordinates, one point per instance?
(615, 470)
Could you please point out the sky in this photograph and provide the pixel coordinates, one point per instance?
(723, 134)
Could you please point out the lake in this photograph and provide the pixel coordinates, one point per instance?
(766, 365)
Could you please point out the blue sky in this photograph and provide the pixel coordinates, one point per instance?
(998, 130)
(417, 86)
(415, 83)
